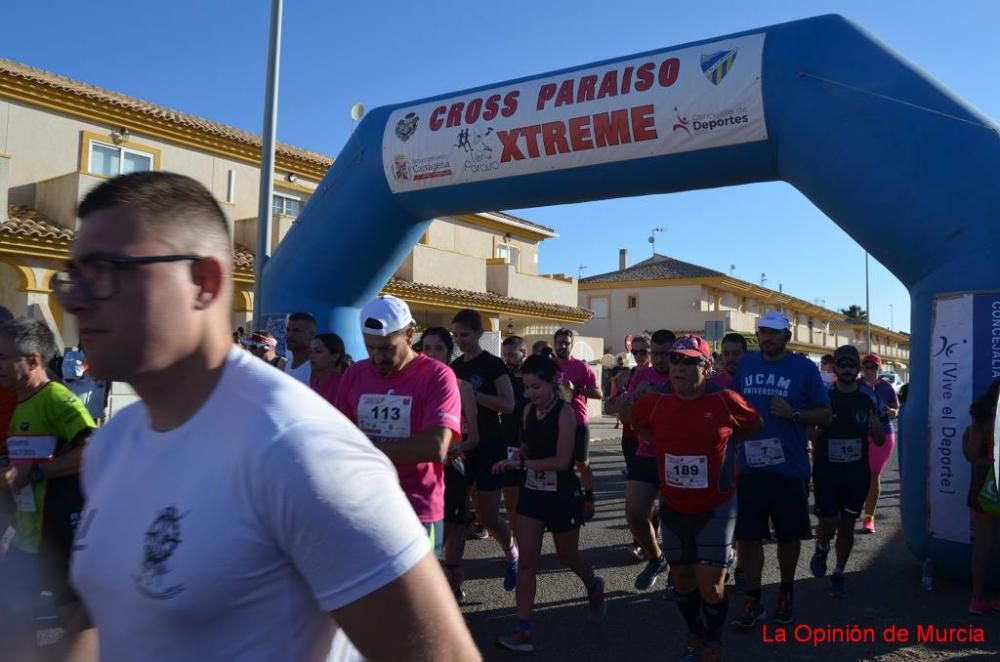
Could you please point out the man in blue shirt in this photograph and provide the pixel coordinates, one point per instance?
(774, 464)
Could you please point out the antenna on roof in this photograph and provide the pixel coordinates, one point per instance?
(579, 271)
(652, 238)
(732, 270)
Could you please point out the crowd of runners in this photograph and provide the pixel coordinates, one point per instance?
(236, 514)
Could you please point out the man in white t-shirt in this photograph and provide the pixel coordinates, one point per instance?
(233, 514)
(299, 333)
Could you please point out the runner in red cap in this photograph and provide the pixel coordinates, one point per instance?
(692, 426)
(878, 455)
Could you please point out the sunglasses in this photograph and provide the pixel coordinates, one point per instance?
(640, 352)
(847, 364)
(680, 359)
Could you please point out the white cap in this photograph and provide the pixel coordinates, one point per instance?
(384, 316)
(774, 320)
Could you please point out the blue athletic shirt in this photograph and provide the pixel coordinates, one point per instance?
(794, 378)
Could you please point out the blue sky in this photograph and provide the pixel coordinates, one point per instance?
(208, 58)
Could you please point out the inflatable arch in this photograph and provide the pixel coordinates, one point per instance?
(897, 161)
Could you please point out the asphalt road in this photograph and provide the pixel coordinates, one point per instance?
(883, 584)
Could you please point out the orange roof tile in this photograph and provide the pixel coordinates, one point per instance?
(26, 222)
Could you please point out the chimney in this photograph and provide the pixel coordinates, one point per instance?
(622, 258)
(4, 185)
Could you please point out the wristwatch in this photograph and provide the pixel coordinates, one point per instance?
(36, 475)
(796, 415)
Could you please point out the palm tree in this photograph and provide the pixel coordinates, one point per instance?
(855, 311)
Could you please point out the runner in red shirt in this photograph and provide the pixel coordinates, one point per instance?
(692, 426)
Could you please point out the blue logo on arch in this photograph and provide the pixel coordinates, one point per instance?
(717, 65)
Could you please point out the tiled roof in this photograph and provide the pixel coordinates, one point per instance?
(517, 219)
(28, 223)
(94, 93)
(658, 267)
(242, 257)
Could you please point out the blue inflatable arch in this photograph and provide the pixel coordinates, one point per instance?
(897, 161)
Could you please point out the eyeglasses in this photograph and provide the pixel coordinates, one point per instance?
(847, 365)
(99, 277)
(640, 352)
(680, 359)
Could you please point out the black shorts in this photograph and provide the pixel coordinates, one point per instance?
(482, 458)
(561, 511)
(767, 496)
(839, 493)
(512, 478)
(581, 449)
(644, 470)
(699, 538)
(456, 490)
(629, 446)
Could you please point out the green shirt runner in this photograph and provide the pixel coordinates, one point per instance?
(46, 424)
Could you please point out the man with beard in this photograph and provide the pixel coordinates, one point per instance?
(578, 383)
(774, 463)
(299, 333)
(841, 473)
(734, 346)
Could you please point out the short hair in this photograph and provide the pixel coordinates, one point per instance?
(664, 337)
(442, 333)
(826, 358)
(513, 341)
(30, 336)
(302, 317)
(737, 338)
(564, 332)
(180, 210)
(470, 319)
(542, 366)
(539, 345)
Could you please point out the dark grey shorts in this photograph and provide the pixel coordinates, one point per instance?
(699, 538)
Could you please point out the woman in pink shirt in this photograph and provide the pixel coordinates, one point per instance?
(328, 360)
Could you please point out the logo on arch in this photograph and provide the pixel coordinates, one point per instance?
(407, 126)
(717, 65)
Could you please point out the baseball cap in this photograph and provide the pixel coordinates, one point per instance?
(846, 352)
(774, 320)
(692, 345)
(872, 358)
(384, 316)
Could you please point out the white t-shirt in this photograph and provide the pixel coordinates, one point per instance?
(233, 536)
(302, 373)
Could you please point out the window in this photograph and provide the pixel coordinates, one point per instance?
(511, 253)
(600, 307)
(289, 205)
(632, 301)
(111, 160)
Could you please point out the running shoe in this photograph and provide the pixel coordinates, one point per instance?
(647, 578)
(783, 612)
(753, 614)
(712, 652)
(838, 585)
(817, 565)
(510, 575)
(869, 524)
(597, 607)
(692, 650)
(740, 580)
(977, 606)
(518, 641)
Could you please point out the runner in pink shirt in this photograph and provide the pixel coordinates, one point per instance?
(327, 363)
(408, 404)
(578, 383)
(643, 483)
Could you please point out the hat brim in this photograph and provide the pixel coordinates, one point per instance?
(689, 352)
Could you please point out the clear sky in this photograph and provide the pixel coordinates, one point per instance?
(208, 57)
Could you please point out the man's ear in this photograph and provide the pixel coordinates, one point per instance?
(209, 275)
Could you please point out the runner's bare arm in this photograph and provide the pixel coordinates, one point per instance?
(564, 445)
(471, 414)
(420, 613)
(817, 416)
(973, 446)
(67, 464)
(431, 445)
(503, 401)
(875, 428)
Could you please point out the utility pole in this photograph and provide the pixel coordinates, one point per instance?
(267, 161)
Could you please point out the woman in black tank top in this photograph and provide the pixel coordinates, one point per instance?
(550, 498)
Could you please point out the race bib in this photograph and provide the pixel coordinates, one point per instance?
(31, 447)
(686, 471)
(385, 415)
(541, 481)
(844, 450)
(764, 452)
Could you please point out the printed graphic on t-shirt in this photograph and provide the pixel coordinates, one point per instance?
(161, 540)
